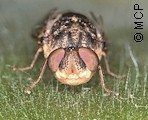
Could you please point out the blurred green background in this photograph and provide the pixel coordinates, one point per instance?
(52, 101)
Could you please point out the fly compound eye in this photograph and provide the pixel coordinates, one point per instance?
(89, 57)
(55, 58)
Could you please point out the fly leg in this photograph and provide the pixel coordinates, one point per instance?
(102, 44)
(103, 83)
(32, 63)
(109, 71)
(28, 90)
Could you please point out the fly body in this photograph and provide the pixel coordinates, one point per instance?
(73, 46)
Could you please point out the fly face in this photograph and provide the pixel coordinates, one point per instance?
(73, 47)
(73, 66)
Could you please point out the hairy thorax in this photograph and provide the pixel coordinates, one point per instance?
(71, 48)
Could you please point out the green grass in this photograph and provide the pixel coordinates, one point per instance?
(51, 100)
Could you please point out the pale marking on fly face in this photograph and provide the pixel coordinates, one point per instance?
(86, 74)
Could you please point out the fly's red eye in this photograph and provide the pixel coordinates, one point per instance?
(89, 57)
(55, 58)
